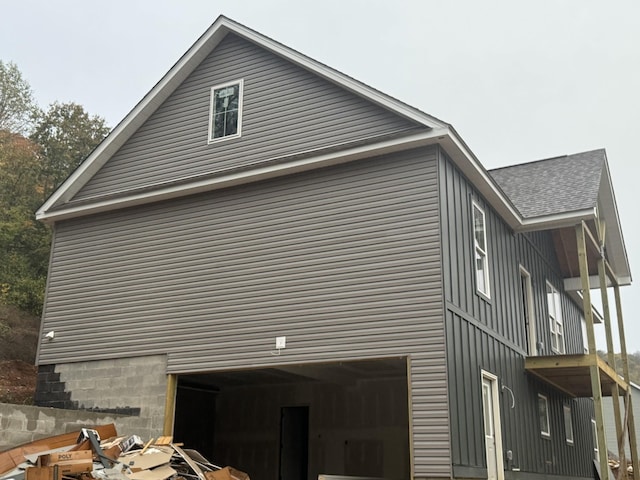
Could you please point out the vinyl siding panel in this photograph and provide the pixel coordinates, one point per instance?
(344, 261)
(287, 111)
(489, 334)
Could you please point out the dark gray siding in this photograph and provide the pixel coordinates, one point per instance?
(344, 261)
(287, 111)
(489, 335)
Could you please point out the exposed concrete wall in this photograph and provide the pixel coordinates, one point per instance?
(132, 388)
(24, 423)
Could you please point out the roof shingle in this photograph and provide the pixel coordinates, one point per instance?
(555, 185)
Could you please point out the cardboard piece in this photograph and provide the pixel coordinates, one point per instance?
(42, 473)
(160, 473)
(11, 459)
(69, 462)
(238, 475)
(222, 474)
(226, 473)
(154, 457)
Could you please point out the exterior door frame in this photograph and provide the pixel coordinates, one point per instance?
(492, 380)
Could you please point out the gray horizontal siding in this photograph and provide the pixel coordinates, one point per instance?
(344, 261)
(287, 110)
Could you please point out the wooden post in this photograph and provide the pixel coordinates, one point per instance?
(412, 462)
(170, 404)
(594, 372)
(633, 442)
(611, 358)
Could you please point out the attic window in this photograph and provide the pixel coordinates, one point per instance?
(225, 119)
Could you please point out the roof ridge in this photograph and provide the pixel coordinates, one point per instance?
(558, 157)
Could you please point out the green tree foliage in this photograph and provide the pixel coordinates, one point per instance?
(634, 365)
(17, 107)
(67, 135)
(30, 170)
(24, 242)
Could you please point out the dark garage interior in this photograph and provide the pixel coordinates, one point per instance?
(296, 422)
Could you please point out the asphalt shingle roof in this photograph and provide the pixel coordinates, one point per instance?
(553, 186)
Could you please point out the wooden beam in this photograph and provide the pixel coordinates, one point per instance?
(633, 441)
(594, 370)
(610, 273)
(170, 404)
(412, 463)
(593, 243)
(611, 357)
(602, 231)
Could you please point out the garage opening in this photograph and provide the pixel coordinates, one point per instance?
(300, 421)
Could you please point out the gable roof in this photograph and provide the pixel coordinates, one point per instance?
(553, 186)
(58, 206)
(548, 192)
(437, 131)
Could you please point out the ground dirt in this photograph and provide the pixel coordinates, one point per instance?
(17, 382)
(18, 342)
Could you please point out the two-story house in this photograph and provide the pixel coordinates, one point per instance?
(299, 275)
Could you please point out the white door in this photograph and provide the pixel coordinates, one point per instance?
(492, 432)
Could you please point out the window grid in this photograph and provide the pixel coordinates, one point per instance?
(480, 247)
(556, 325)
(568, 424)
(543, 410)
(225, 116)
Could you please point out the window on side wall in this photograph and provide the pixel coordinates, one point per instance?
(225, 118)
(555, 319)
(543, 412)
(480, 250)
(568, 424)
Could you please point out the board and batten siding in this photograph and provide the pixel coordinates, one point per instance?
(344, 261)
(287, 111)
(489, 334)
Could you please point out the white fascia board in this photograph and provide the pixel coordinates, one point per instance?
(480, 178)
(559, 220)
(182, 69)
(335, 76)
(260, 173)
(136, 118)
(574, 284)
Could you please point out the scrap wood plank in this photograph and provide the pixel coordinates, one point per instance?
(166, 440)
(193, 465)
(10, 459)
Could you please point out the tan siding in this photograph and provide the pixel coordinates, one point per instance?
(344, 261)
(287, 110)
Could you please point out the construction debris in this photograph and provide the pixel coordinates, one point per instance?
(103, 455)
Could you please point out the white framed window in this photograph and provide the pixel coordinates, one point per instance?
(543, 413)
(481, 259)
(596, 447)
(526, 291)
(225, 114)
(556, 325)
(568, 424)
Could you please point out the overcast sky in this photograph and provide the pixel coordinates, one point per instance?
(519, 81)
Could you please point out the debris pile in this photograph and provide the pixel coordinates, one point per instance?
(617, 467)
(100, 454)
